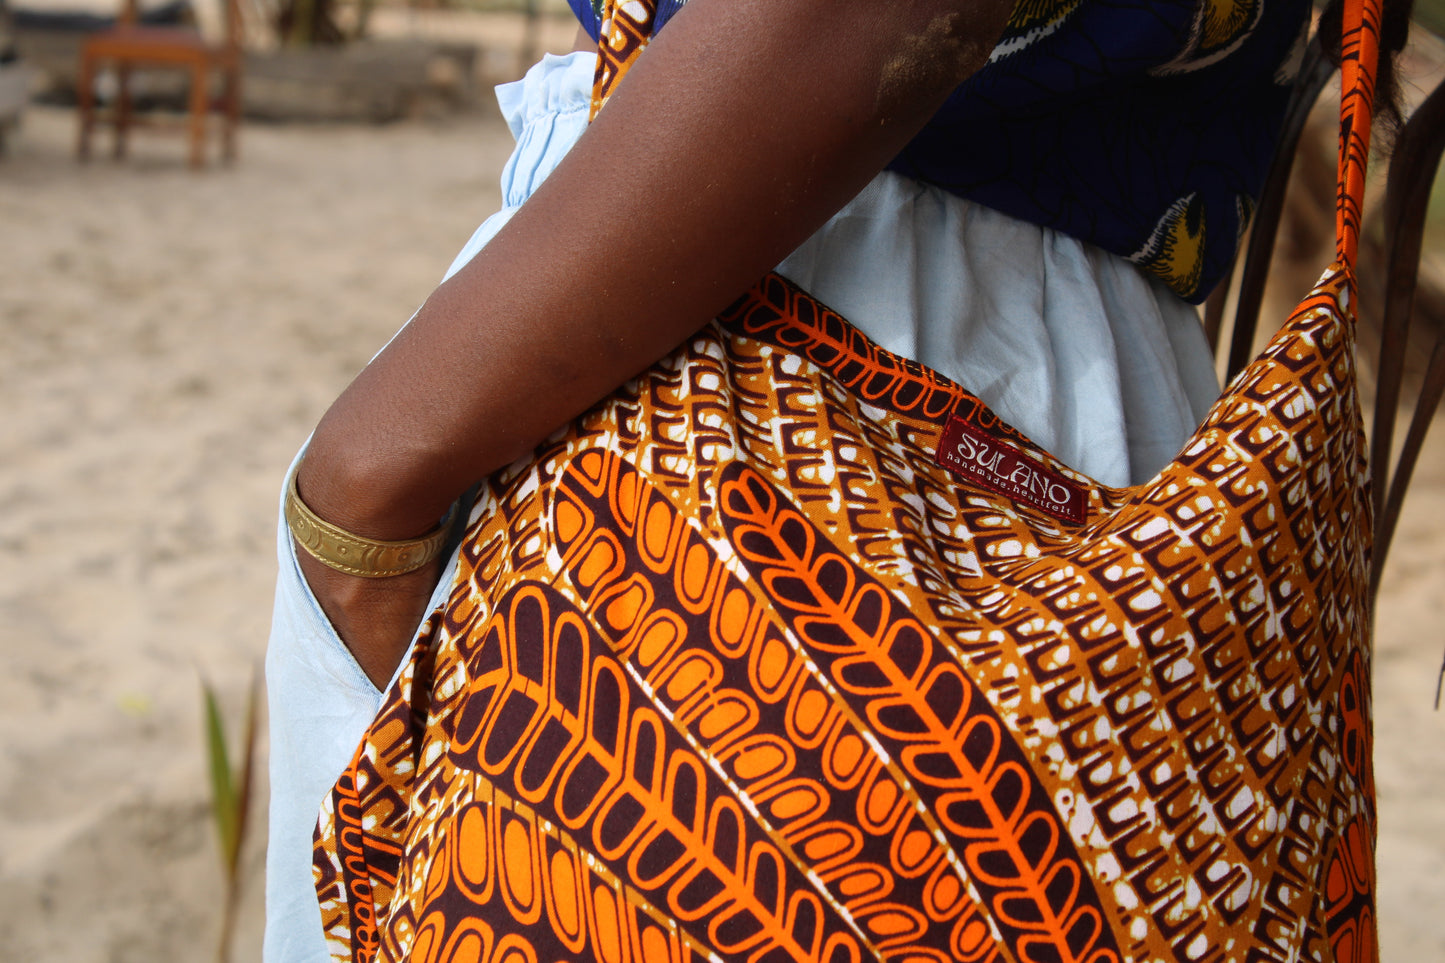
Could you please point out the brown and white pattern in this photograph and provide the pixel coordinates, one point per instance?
(736, 667)
(735, 664)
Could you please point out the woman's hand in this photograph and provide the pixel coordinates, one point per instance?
(375, 617)
(745, 125)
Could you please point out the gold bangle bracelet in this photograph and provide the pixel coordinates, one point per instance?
(365, 557)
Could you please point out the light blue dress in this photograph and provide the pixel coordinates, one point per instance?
(1077, 348)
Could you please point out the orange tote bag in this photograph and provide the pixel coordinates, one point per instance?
(792, 650)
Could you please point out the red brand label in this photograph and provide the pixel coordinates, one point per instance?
(979, 457)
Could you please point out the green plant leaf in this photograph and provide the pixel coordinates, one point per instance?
(224, 801)
(247, 764)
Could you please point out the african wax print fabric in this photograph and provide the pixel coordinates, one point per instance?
(791, 650)
(775, 685)
(1142, 127)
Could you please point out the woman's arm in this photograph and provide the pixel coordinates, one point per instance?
(745, 125)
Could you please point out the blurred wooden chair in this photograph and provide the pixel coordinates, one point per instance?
(130, 45)
(1388, 281)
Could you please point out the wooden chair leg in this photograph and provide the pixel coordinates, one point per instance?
(200, 107)
(122, 109)
(233, 113)
(85, 91)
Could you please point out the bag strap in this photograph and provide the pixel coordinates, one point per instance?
(624, 29)
(1359, 60)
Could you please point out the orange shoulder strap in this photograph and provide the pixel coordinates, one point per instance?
(1359, 59)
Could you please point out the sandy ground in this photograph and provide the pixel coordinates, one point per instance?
(166, 341)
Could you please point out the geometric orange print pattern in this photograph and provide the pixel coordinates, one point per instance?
(740, 666)
(735, 669)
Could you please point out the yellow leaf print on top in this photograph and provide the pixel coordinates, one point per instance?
(1031, 21)
(1226, 21)
(1175, 249)
(1219, 27)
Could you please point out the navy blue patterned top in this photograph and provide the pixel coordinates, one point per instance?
(1142, 126)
